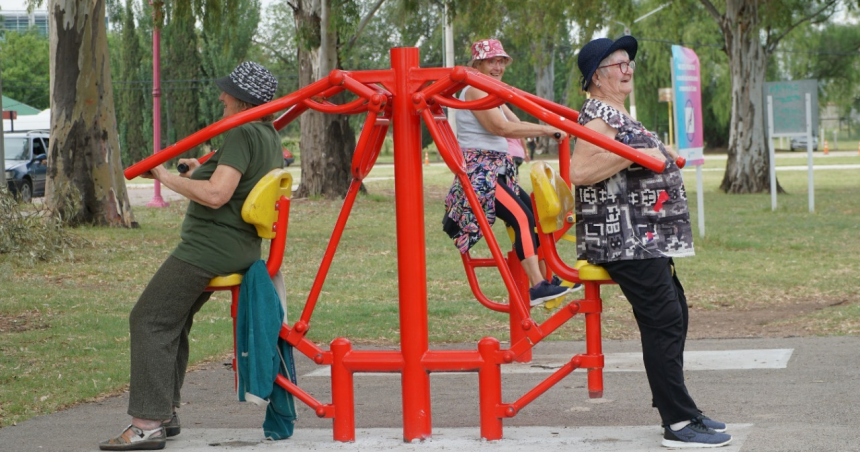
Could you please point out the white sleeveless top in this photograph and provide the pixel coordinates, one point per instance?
(472, 135)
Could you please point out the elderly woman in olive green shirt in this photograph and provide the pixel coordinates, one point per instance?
(215, 241)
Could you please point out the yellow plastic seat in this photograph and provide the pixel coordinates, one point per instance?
(589, 272)
(259, 210)
(555, 205)
(553, 198)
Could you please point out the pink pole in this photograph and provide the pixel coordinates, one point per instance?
(157, 200)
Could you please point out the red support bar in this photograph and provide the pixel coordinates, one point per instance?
(469, 266)
(295, 337)
(593, 344)
(515, 319)
(490, 389)
(511, 410)
(328, 256)
(289, 116)
(342, 392)
(320, 409)
(374, 361)
(564, 160)
(452, 361)
(453, 157)
(559, 318)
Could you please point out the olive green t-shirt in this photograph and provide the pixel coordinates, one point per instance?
(219, 240)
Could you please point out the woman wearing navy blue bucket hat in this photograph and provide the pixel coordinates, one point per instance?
(633, 222)
(214, 241)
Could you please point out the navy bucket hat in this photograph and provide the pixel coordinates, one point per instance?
(250, 82)
(597, 50)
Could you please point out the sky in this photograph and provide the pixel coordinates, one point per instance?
(17, 5)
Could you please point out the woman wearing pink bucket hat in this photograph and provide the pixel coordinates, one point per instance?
(483, 135)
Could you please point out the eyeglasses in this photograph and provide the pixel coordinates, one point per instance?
(625, 66)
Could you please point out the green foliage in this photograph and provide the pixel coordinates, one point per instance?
(25, 68)
(181, 64)
(130, 95)
(225, 42)
(827, 53)
(686, 24)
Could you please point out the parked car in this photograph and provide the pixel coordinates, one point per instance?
(799, 143)
(288, 157)
(26, 163)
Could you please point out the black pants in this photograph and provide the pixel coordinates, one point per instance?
(516, 211)
(660, 307)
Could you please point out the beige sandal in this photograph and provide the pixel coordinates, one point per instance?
(133, 438)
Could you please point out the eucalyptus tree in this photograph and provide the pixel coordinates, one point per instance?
(324, 29)
(752, 31)
(683, 23)
(85, 181)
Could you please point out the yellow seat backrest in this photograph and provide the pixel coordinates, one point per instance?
(259, 206)
(553, 198)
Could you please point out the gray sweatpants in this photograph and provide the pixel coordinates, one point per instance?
(159, 325)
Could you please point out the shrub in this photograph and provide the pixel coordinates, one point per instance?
(32, 233)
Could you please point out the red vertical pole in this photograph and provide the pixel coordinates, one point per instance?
(564, 159)
(516, 318)
(490, 389)
(411, 258)
(342, 392)
(593, 344)
(157, 200)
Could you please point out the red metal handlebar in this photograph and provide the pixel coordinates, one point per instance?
(505, 92)
(224, 125)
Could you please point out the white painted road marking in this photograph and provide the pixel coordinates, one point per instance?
(776, 358)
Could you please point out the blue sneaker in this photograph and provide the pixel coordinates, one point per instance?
(716, 426)
(556, 281)
(546, 291)
(695, 435)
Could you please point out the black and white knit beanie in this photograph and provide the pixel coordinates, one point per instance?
(249, 82)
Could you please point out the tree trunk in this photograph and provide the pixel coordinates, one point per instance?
(748, 157)
(85, 182)
(545, 86)
(327, 141)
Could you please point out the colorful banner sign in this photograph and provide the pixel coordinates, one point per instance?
(687, 87)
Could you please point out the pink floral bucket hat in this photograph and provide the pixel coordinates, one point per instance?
(488, 48)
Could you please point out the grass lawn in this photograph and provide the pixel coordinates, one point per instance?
(64, 324)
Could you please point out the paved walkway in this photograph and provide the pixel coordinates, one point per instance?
(778, 395)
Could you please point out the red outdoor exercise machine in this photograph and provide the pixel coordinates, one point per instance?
(402, 96)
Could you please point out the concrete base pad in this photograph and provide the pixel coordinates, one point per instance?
(517, 439)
